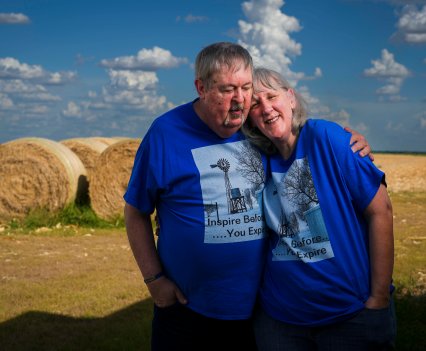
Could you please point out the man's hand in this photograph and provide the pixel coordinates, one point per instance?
(359, 143)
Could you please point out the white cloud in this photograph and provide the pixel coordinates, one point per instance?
(18, 86)
(133, 80)
(5, 102)
(392, 72)
(72, 110)
(132, 88)
(387, 67)
(412, 24)
(23, 88)
(13, 18)
(11, 68)
(146, 60)
(40, 97)
(266, 34)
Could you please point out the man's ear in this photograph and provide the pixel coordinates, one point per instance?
(201, 89)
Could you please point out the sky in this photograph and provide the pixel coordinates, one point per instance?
(86, 68)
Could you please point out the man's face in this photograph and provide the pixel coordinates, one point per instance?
(226, 103)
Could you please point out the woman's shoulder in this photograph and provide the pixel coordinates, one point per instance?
(320, 128)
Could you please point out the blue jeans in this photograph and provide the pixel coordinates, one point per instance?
(178, 328)
(368, 330)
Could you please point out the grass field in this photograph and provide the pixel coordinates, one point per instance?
(77, 288)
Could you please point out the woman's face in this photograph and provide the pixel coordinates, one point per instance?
(271, 112)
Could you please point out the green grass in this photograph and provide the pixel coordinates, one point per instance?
(73, 214)
(76, 286)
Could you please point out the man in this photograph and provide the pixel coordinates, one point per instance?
(204, 179)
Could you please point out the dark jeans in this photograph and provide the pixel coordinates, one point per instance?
(367, 330)
(178, 328)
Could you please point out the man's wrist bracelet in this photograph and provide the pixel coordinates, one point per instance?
(154, 277)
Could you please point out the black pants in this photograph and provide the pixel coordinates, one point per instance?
(178, 328)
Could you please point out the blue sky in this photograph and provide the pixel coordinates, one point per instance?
(108, 68)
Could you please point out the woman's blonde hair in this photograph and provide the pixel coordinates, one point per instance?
(264, 77)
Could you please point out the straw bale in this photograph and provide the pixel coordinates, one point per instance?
(110, 177)
(87, 149)
(37, 173)
(107, 141)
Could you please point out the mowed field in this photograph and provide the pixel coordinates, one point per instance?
(71, 288)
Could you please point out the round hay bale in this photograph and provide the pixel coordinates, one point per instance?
(105, 140)
(110, 177)
(37, 173)
(87, 149)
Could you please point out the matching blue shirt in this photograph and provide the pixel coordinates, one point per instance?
(317, 270)
(208, 195)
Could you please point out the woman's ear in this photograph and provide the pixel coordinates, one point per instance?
(292, 98)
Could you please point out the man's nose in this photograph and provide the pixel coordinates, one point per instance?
(238, 95)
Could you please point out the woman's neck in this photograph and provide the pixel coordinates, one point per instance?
(286, 147)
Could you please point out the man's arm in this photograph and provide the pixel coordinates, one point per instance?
(141, 238)
(359, 143)
(380, 229)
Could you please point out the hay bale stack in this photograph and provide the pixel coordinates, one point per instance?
(87, 149)
(110, 177)
(107, 141)
(37, 173)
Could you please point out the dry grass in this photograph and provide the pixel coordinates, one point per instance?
(70, 288)
(89, 274)
(403, 172)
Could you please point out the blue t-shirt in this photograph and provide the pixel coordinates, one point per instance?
(317, 271)
(207, 192)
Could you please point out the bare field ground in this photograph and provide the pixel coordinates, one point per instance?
(403, 172)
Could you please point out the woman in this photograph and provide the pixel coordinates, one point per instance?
(328, 277)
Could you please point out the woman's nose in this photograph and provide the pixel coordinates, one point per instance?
(266, 108)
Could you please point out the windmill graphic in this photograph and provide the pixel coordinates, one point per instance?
(236, 202)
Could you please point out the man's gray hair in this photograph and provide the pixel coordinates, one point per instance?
(214, 57)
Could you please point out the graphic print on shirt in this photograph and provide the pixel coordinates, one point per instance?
(232, 180)
(294, 212)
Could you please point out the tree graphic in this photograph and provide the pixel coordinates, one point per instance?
(288, 228)
(299, 186)
(210, 209)
(250, 165)
(247, 196)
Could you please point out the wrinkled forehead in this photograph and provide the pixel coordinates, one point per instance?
(234, 66)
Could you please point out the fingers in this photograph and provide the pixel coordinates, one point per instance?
(181, 298)
(350, 130)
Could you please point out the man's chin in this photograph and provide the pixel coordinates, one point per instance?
(234, 122)
(228, 131)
